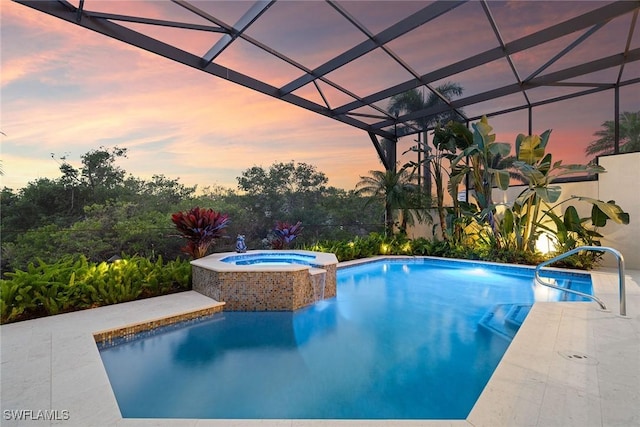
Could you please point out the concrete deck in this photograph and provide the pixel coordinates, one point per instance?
(571, 364)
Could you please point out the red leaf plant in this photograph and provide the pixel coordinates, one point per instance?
(200, 227)
(284, 234)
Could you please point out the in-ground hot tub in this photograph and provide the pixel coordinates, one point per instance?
(271, 258)
(266, 280)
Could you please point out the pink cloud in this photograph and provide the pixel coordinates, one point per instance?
(179, 121)
(138, 98)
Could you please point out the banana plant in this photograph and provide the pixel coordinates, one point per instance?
(571, 230)
(445, 147)
(447, 141)
(481, 154)
(477, 159)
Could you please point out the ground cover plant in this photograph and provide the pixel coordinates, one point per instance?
(74, 283)
(378, 244)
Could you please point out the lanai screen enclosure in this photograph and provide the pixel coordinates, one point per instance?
(347, 59)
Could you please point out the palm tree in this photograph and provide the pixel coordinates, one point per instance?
(414, 100)
(506, 163)
(394, 189)
(629, 136)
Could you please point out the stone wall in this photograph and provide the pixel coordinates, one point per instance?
(266, 289)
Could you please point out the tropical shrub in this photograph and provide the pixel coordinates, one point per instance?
(104, 231)
(283, 234)
(200, 227)
(74, 283)
(514, 229)
(438, 172)
(474, 155)
(478, 247)
(364, 247)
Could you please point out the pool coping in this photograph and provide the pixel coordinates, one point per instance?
(54, 364)
(130, 331)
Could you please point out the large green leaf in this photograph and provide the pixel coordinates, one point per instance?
(482, 136)
(530, 172)
(507, 222)
(478, 138)
(560, 232)
(463, 136)
(575, 168)
(501, 149)
(523, 197)
(549, 194)
(545, 164)
(572, 220)
(544, 138)
(481, 199)
(454, 182)
(519, 139)
(610, 209)
(598, 218)
(530, 151)
(502, 178)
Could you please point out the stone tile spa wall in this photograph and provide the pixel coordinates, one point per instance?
(278, 289)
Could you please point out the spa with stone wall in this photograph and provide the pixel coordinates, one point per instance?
(258, 287)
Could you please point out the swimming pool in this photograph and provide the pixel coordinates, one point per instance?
(410, 339)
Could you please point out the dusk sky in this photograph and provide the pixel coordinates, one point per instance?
(67, 90)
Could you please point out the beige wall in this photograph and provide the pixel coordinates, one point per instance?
(621, 183)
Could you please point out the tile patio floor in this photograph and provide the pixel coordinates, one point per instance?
(571, 364)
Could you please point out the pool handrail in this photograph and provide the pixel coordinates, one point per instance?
(621, 274)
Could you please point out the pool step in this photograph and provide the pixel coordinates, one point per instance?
(504, 320)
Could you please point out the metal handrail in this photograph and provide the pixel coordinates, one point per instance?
(616, 253)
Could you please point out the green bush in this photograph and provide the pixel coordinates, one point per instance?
(74, 283)
(377, 244)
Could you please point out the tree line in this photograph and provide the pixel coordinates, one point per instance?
(100, 211)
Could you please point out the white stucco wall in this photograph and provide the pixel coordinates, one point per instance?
(622, 184)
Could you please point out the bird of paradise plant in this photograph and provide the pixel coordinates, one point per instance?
(522, 223)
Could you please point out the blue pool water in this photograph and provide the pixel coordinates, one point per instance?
(402, 340)
(270, 258)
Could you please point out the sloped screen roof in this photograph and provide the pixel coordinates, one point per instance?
(348, 59)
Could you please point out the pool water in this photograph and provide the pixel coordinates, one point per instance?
(402, 340)
(270, 258)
